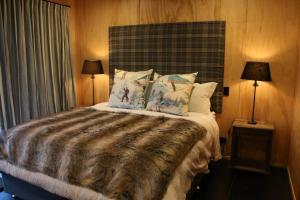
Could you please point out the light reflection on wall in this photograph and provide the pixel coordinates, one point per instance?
(260, 47)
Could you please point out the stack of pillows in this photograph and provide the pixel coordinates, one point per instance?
(174, 94)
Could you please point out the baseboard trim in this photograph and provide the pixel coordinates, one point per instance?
(272, 164)
(291, 184)
(278, 165)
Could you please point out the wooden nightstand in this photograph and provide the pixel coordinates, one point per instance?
(251, 146)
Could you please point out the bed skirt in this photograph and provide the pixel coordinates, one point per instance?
(50, 184)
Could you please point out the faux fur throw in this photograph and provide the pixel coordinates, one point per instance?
(121, 155)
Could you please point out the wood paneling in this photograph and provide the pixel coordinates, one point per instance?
(263, 30)
(93, 19)
(294, 157)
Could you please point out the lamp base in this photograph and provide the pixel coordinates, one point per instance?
(252, 122)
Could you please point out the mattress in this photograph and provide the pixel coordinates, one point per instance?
(196, 161)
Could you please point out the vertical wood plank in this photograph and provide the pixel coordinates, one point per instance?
(166, 11)
(294, 157)
(95, 17)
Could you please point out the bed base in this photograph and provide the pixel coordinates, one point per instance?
(27, 191)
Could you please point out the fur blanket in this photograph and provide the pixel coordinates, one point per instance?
(120, 155)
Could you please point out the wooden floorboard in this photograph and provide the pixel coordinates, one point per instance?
(227, 184)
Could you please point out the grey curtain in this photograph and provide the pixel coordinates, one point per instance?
(36, 73)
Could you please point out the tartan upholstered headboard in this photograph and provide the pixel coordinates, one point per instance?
(171, 48)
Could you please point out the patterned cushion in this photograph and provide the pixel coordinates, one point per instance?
(171, 93)
(129, 89)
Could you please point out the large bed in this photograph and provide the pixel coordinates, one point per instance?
(101, 152)
(196, 161)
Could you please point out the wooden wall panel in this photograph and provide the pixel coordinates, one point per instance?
(294, 157)
(270, 35)
(164, 11)
(263, 30)
(93, 18)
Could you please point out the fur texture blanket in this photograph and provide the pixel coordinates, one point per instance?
(121, 155)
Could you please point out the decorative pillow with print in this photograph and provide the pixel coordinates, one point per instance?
(129, 89)
(171, 93)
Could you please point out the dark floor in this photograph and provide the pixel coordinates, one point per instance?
(227, 184)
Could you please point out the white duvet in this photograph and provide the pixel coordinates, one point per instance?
(196, 161)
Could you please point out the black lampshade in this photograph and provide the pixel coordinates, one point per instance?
(92, 67)
(259, 71)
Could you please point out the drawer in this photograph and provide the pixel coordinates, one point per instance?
(257, 133)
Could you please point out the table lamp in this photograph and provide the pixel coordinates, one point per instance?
(257, 71)
(92, 67)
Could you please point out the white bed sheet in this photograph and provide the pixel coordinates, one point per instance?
(195, 162)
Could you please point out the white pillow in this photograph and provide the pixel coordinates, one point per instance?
(200, 98)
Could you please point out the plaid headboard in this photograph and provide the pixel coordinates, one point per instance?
(171, 48)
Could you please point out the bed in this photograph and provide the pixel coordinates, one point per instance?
(169, 48)
(195, 162)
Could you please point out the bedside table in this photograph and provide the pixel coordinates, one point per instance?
(251, 146)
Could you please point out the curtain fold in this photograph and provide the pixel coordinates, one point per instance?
(36, 77)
